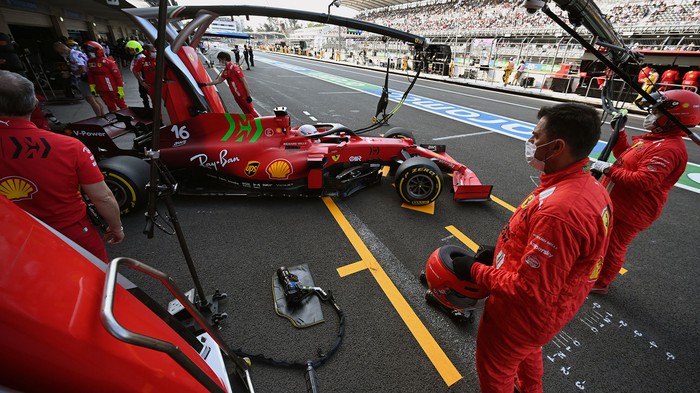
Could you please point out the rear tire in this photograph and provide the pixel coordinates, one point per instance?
(126, 177)
(418, 181)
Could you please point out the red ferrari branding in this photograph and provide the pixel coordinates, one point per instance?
(17, 188)
(251, 168)
(279, 169)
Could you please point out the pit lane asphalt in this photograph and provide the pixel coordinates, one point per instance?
(642, 337)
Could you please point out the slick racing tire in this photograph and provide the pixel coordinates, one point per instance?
(126, 177)
(418, 181)
(399, 133)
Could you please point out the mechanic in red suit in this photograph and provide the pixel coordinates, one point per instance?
(233, 74)
(548, 255)
(104, 77)
(670, 77)
(692, 79)
(644, 74)
(43, 172)
(145, 69)
(644, 173)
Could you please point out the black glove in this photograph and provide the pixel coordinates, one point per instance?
(485, 255)
(463, 267)
(249, 99)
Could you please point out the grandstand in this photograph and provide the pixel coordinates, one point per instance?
(484, 34)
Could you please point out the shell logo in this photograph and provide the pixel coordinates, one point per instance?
(17, 188)
(279, 169)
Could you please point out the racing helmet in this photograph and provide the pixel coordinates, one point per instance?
(443, 283)
(133, 47)
(93, 48)
(307, 129)
(683, 104)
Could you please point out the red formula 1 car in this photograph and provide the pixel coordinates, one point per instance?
(210, 151)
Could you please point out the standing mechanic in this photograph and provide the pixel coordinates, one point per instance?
(43, 172)
(136, 50)
(104, 77)
(144, 69)
(77, 66)
(548, 255)
(233, 74)
(644, 173)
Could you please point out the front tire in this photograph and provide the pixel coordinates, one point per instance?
(399, 133)
(418, 181)
(126, 177)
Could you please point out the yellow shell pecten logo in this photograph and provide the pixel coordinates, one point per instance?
(279, 169)
(17, 188)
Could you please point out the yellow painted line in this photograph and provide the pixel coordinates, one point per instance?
(351, 268)
(385, 170)
(437, 356)
(427, 209)
(462, 237)
(623, 270)
(503, 203)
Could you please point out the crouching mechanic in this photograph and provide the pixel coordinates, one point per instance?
(104, 77)
(42, 172)
(644, 173)
(548, 255)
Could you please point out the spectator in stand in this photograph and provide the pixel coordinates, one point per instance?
(77, 66)
(644, 173)
(51, 179)
(233, 74)
(104, 78)
(670, 77)
(692, 79)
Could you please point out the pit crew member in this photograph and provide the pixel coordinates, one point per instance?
(42, 172)
(644, 173)
(104, 77)
(233, 74)
(548, 255)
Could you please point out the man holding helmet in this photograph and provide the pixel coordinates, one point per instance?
(644, 173)
(547, 257)
(104, 77)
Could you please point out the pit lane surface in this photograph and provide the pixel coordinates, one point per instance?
(641, 337)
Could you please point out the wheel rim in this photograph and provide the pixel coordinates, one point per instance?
(121, 194)
(420, 187)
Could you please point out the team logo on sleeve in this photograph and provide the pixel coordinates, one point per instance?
(606, 219)
(595, 273)
(17, 188)
(527, 201)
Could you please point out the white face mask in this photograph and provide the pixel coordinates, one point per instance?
(649, 122)
(152, 55)
(530, 150)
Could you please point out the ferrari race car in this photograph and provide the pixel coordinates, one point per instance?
(212, 152)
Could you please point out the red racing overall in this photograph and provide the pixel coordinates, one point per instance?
(545, 263)
(41, 172)
(639, 182)
(147, 67)
(105, 75)
(234, 76)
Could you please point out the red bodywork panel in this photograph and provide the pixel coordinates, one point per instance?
(51, 335)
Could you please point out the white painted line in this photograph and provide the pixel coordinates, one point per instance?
(313, 118)
(462, 136)
(341, 92)
(307, 113)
